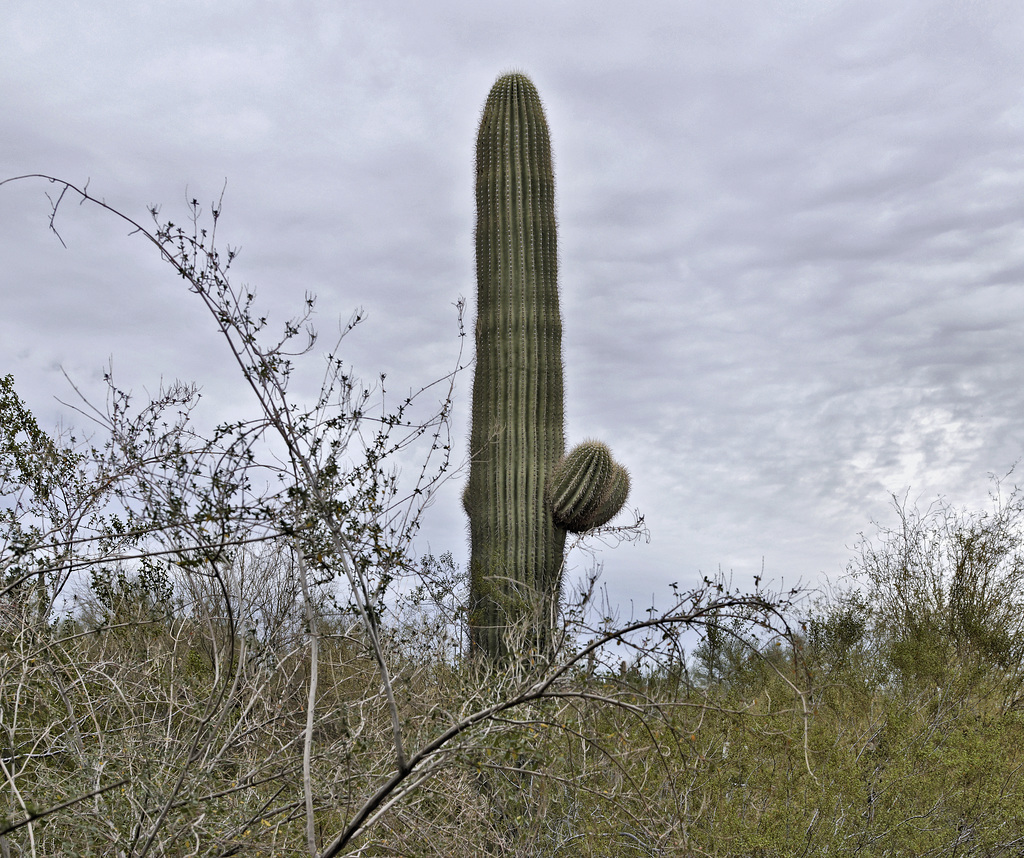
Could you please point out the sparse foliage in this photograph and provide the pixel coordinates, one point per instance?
(254, 661)
(221, 643)
(942, 594)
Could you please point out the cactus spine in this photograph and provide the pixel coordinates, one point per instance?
(517, 437)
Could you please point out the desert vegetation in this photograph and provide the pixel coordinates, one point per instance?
(220, 642)
(201, 696)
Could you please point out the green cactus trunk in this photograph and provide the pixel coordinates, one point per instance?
(524, 493)
(517, 434)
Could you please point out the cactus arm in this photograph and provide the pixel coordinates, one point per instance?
(587, 488)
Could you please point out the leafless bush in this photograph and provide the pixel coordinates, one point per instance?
(259, 666)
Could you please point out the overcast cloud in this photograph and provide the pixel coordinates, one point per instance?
(792, 232)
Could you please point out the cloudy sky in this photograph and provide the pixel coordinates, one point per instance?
(791, 232)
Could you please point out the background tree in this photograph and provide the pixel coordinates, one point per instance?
(943, 592)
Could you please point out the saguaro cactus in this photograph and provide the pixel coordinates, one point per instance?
(523, 492)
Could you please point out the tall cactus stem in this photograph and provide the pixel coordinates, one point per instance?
(517, 439)
(517, 432)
